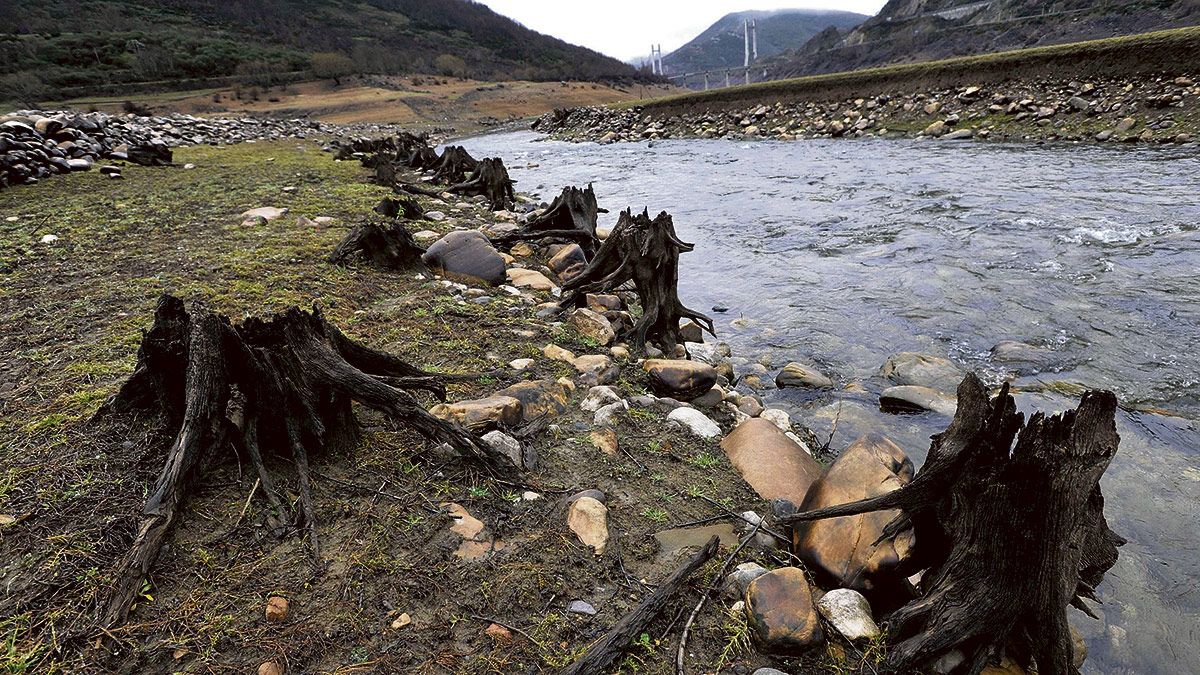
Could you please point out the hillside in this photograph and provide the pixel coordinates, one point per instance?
(722, 45)
(60, 47)
(907, 31)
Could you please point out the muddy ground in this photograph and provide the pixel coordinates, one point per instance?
(71, 487)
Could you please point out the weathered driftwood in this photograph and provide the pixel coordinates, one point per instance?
(454, 165)
(646, 252)
(297, 376)
(1009, 537)
(613, 644)
(388, 245)
(571, 217)
(490, 179)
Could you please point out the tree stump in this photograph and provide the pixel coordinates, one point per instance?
(571, 217)
(422, 158)
(454, 165)
(402, 207)
(296, 376)
(646, 252)
(1008, 536)
(387, 245)
(491, 180)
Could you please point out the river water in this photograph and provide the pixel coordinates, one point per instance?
(844, 252)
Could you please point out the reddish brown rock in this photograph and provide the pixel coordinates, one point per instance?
(538, 398)
(679, 379)
(780, 609)
(482, 414)
(277, 609)
(842, 550)
(773, 464)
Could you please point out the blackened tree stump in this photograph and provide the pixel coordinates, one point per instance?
(571, 217)
(454, 165)
(645, 252)
(491, 180)
(295, 376)
(403, 207)
(386, 245)
(1009, 536)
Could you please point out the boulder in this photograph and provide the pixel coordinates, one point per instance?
(537, 398)
(922, 370)
(468, 255)
(678, 379)
(568, 262)
(773, 464)
(483, 414)
(696, 422)
(797, 374)
(781, 613)
(556, 353)
(523, 278)
(841, 551)
(908, 398)
(596, 368)
(850, 613)
(588, 519)
(592, 326)
(690, 331)
(511, 447)
(598, 397)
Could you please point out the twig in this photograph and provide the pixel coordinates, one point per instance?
(739, 516)
(245, 506)
(687, 627)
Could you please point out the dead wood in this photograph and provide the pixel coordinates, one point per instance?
(387, 245)
(613, 644)
(1009, 536)
(571, 217)
(491, 180)
(295, 376)
(645, 252)
(454, 165)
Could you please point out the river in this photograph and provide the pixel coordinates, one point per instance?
(844, 252)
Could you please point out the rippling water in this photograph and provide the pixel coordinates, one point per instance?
(843, 252)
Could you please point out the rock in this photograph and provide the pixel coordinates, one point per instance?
(842, 550)
(511, 447)
(265, 212)
(596, 368)
(497, 632)
(922, 370)
(523, 278)
(958, 135)
(1014, 352)
(435, 216)
(401, 621)
(750, 406)
(588, 519)
(277, 609)
(850, 613)
(909, 398)
(1125, 125)
(569, 259)
(773, 464)
(1079, 103)
(606, 415)
(936, 129)
(592, 326)
(797, 374)
(779, 607)
(598, 397)
(271, 668)
(605, 440)
(777, 417)
(711, 399)
(475, 542)
(482, 414)
(678, 379)
(690, 331)
(520, 364)
(48, 238)
(538, 398)
(556, 353)
(603, 302)
(467, 255)
(696, 422)
(737, 581)
(712, 354)
(932, 108)
(768, 671)
(581, 607)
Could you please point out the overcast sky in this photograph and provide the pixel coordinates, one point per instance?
(626, 28)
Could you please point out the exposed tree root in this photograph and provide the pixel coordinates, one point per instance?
(646, 252)
(295, 377)
(1009, 537)
(388, 245)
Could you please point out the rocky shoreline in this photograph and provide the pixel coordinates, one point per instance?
(1114, 110)
(38, 144)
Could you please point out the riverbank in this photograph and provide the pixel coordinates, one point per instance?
(428, 565)
(1138, 89)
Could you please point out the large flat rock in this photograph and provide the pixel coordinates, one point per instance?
(773, 464)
